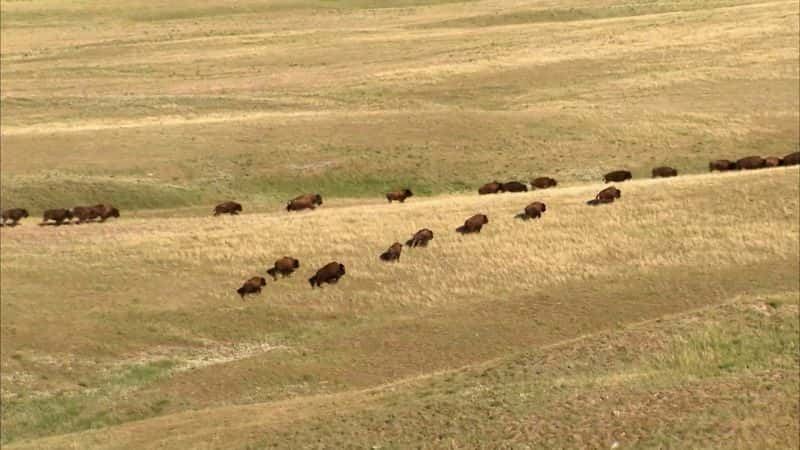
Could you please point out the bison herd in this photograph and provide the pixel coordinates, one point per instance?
(754, 162)
(60, 216)
(333, 271)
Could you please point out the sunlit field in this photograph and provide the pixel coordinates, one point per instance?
(666, 319)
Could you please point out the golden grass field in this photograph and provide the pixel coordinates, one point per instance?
(668, 319)
(190, 103)
(107, 324)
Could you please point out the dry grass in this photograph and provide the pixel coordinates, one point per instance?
(130, 334)
(261, 101)
(127, 306)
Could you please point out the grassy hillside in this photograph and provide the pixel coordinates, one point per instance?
(193, 102)
(133, 329)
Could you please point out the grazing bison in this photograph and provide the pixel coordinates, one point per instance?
(772, 161)
(252, 286)
(306, 201)
(610, 191)
(491, 188)
(543, 183)
(792, 159)
(664, 172)
(749, 163)
(57, 215)
(617, 176)
(514, 186)
(85, 213)
(231, 208)
(393, 253)
(106, 211)
(284, 266)
(607, 195)
(399, 196)
(328, 274)
(533, 211)
(14, 215)
(721, 165)
(420, 238)
(473, 224)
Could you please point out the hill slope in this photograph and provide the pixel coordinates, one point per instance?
(187, 104)
(107, 324)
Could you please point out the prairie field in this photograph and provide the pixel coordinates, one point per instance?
(163, 105)
(132, 328)
(667, 319)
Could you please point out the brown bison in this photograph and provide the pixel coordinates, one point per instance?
(106, 211)
(420, 238)
(473, 224)
(306, 201)
(533, 211)
(252, 286)
(330, 273)
(664, 172)
(284, 266)
(607, 195)
(772, 161)
(792, 159)
(749, 163)
(721, 165)
(393, 253)
(231, 208)
(617, 176)
(543, 183)
(610, 191)
(14, 215)
(491, 188)
(514, 186)
(84, 213)
(399, 196)
(57, 215)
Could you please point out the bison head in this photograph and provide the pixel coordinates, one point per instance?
(408, 193)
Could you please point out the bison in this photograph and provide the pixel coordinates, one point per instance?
(792, 159)
(607, 195)
(749, 163)
(252, 286)
(306, 201)
(399, 196)
(772, 161)
(610, 191)
(231, 208)
(393, 253)
(494, 187)
(106, 211)
(533, 211)
(617, 176)
(284, 266)
(14, 215)
(57, 215)
(473, 224)
(543, 183)
(514, 186)
(330, 273)
(85, 213)
(420, 238)
(664, 172)
(721, 165)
